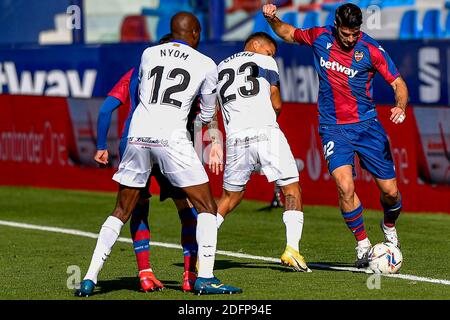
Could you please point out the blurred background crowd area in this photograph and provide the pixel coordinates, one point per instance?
(112, 21)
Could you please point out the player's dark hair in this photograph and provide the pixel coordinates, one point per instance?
(348, 15)
(262, 35)
(165, 38)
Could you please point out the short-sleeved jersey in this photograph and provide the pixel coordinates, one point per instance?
(121, 92)
(120, 89)
(171, 75)
(244, 91)
(345, 77)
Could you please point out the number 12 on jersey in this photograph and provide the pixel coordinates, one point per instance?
(157, 74)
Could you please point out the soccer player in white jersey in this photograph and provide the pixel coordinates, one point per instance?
(250, 100)
(171, 76)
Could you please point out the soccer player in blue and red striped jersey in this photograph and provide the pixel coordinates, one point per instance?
(346, 60)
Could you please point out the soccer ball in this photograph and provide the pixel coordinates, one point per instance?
(385, 258)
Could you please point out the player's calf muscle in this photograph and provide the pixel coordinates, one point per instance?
(293, 197)
(127, 199)
(291, 203)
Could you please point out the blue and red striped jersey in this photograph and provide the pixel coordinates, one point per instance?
(121, 91)
(126, 90)
(346, 77)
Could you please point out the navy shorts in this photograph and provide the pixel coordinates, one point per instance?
(367, 139)
(167, 190)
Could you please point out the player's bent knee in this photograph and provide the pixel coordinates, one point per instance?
(211, 208)
(234, 198)
(205, 205)
(392, 194)
(346, 188)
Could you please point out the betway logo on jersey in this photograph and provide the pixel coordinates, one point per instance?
(48, 83)
(336, 66)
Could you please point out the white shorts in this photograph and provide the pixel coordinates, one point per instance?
(177, 160)
(264, 148)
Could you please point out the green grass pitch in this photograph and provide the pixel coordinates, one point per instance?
(34, 263)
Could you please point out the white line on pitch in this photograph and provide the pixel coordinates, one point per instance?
(221, 252)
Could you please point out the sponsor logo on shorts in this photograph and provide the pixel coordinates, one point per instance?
(247, 140)
(148, 142)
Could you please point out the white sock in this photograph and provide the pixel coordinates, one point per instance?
(107, 237)
(364, 243)
(220, 220)
(293, 220)
(207, 242)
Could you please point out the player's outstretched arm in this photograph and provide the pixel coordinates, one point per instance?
(284, 30)
(398, 114)
(103, 123)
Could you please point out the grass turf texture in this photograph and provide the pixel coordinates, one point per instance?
(34, 263)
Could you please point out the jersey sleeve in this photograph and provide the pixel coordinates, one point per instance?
(273, 76)
(104, 120)
(383, 63)
(120, 90)
(208, 94)
(308, 36)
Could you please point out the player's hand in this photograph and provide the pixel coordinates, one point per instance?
(269, 11)
(398, 115)
(101, 157)
(216, 158)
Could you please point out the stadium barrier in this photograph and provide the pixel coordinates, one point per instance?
(92, 70)
(50, 95)
(50, 142)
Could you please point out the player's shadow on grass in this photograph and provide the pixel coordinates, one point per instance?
(328, 266)
(231, 264)
(125, 283)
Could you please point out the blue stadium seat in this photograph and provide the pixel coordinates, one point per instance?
(291, 17)
(432, 25)
(311, 20)
(409, 26)
(260, 24)
(393, 3)
(330, 6)
(447, 26)
(363, 3)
